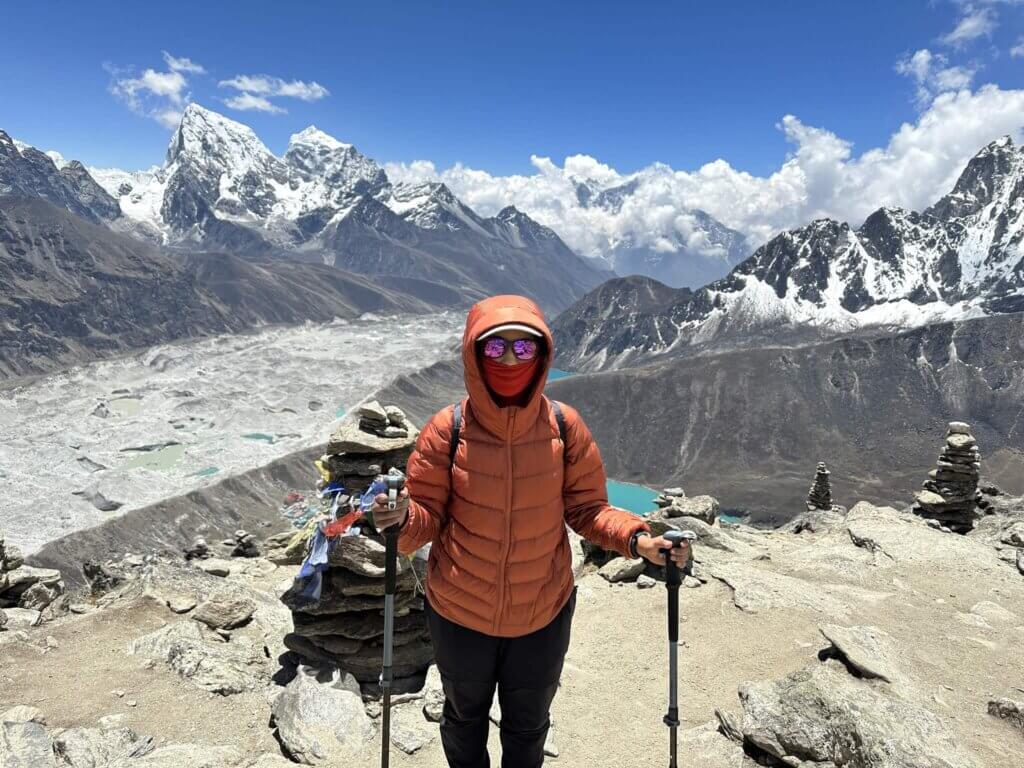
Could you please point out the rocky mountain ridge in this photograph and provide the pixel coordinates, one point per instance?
(959, 259)
(77, 291)
(322, 200)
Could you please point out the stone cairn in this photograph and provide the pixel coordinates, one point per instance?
(39, 591)
(345, 628)
(950, 496)
(820, 495)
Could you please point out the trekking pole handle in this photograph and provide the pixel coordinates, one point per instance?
(676, 539)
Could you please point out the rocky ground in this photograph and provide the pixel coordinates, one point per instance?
(870, 639)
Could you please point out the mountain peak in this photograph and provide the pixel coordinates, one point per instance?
(203, 132)
(313, 136)
(991, 174)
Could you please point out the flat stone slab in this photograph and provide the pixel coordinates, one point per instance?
(756, 590)
(869, 650)
(349, 438)
(819, 712)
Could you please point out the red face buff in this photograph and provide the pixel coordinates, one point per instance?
(509, 380)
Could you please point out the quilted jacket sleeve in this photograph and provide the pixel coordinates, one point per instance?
(586, 496)
(428, 478)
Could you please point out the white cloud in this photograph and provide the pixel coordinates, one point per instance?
(183, 65)
(170, 85)
(249, 101)
(931, 73)
(820, 177)
(1018, 50)
(255, 92)
(976, 21)
(157, 95)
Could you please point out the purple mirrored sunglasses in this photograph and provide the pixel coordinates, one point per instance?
(523, 349)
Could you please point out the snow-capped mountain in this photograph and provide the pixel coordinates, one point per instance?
(694, 251)
(221, 189)
(959, 259)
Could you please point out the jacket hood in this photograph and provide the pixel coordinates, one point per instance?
(485, 314)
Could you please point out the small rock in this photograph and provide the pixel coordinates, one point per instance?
(409, 731)
(622, 569)
(181, 604)
(51, 642)
(132, 703)
(81, 608)
(198, 551)
(550, 746)
(118, 693)
(1013, 535)
(133, 560)
(433, 698)
(112, 721)
(20, 618)
(958, 428)
(1009, 710)
(692, 583)
(215, 566)
(643, 581)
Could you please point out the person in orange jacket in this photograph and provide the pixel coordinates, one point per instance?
(500, 592)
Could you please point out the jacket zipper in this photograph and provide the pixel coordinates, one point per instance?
(506, 545)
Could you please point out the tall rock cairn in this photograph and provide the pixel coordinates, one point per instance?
(820, 495)
(345, 628)
(950, 496)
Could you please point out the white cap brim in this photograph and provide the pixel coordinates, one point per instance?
(510, 327)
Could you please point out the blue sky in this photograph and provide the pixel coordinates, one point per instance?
(489, 86)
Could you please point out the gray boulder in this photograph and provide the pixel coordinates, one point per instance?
(320, 717)
(821, 715)
(25, 745)
(99, 747)
(225, 611)
(203, 658)
(622, 569)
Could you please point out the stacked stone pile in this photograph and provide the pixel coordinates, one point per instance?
(666, 497)
(820, 495)
(950, 496)
(383, 421)
(22, 586)
(345, 628)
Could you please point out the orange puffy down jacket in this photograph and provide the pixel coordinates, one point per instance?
(500, 561)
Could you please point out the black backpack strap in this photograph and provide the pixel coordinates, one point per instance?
(456, 426)
(560, 418)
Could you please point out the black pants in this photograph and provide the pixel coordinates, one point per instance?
(526, 671)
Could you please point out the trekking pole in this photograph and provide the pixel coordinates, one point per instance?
(672, 581)
(395, 480)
